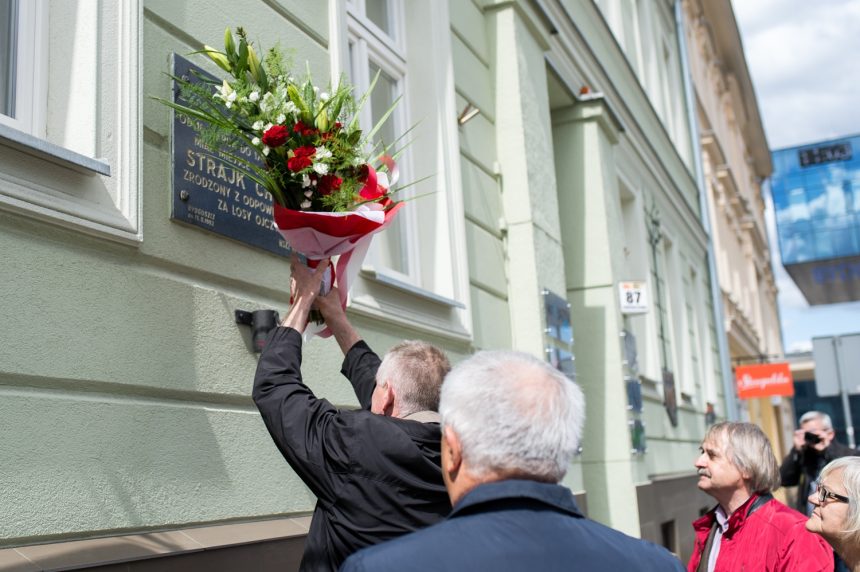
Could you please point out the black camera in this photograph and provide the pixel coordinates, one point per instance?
(811, 438)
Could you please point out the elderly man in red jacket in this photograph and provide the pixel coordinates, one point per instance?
(749, 529)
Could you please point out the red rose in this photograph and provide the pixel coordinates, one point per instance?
(298, 163)
(329, 183)
(303, 130)
(301, 158)
(275, 136)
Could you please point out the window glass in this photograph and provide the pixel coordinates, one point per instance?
(392, 253)
(377, 11)
(8, 55)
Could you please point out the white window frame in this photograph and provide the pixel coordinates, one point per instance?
(373, 45)
(437, 301)
(81, 169)
(30, 69)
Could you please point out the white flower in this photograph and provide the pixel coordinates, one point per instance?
(306, 180)
(309, 194)
(254, 96)
(322, 153)
(290, 107)
(316, 89)
(281, 118)
(265, 151)
(324, 96)
(229, 104)
(232, 96)
(225, 90)
(267, 127)
(306, 204)
(321, 168)
(255, 141)
(257, 126)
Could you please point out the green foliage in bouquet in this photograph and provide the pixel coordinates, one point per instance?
(314, 156)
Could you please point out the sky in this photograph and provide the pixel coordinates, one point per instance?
(804, 59)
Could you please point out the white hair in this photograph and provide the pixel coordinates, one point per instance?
(515, 415)
(812, 415)
(851, 481)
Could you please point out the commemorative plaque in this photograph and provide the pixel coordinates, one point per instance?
(209, 191)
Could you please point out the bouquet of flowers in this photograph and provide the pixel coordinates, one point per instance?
(329, 196)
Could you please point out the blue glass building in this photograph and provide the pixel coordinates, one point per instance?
(816, 196)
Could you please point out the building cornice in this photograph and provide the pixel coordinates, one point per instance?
(720, 19)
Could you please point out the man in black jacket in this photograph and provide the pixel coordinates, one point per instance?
(375, 471)
(814, 447)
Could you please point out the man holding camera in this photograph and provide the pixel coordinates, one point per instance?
(814, 447)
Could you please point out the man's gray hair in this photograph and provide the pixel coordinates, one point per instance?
(415, 370)
(749, 450)
(515, 415)
(813, 415)
(851, 481)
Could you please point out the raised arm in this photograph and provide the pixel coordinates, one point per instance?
(360, 362)
(336, 320)
(303, 427)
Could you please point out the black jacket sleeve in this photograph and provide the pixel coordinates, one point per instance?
(305, 429)
(791, 468)
(359, 367)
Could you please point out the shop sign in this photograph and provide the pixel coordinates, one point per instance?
(763, 380)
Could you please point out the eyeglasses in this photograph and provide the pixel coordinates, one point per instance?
(824, 495)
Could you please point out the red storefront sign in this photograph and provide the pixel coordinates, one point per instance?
(763, 380)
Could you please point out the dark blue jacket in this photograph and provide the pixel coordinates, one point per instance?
(515, 525)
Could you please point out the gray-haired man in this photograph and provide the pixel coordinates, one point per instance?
(375, 471)
(510, 426)
(814, 447)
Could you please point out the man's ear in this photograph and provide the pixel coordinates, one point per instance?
(387, 399)
(453, 450)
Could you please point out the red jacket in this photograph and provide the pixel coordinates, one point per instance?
(769, 538)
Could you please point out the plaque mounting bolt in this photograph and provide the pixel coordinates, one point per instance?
(183, 195)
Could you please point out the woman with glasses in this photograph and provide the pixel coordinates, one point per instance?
(836, 509)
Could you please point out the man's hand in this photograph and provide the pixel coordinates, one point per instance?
(799, 442)
(304, 288)
(335, 319)
(329, 306)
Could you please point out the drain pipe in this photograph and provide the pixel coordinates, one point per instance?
(732, 411)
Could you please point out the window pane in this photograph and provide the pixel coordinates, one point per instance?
(391, 243)
(378, 12)
(8, 55)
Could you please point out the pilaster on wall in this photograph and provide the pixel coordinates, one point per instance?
(584, 136)
(524, 151)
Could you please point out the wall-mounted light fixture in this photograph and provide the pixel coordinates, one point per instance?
(468, 113)
(261, 322)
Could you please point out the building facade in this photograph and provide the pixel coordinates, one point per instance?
(735, 163)
(559, 139)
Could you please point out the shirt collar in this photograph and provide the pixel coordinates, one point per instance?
(556, 496)
(722, 518)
